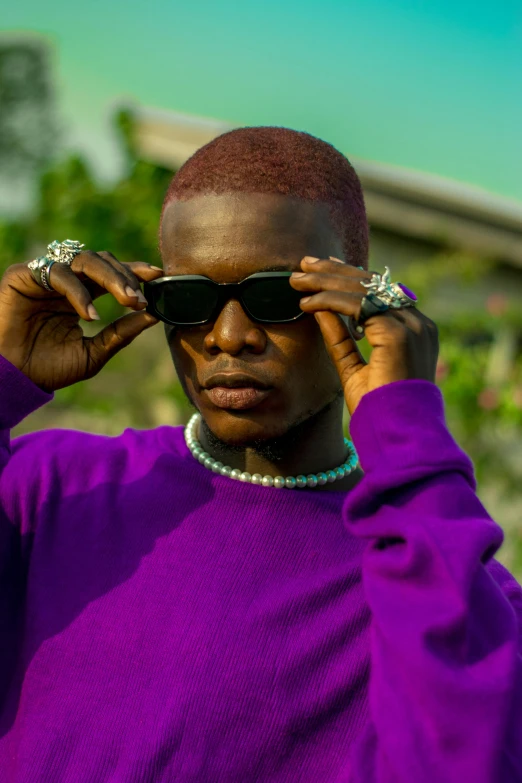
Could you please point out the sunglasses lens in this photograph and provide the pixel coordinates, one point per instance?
(186, 302)
(272, 300)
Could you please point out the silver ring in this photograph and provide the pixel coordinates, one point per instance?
(383, 295)
(57, 252)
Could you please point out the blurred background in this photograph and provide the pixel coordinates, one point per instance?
(100, 105)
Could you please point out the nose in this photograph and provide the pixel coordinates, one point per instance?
(234, 331)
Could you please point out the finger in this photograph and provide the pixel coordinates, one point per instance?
(110, 278)
(349, 304)
(141, 270)
(144, 271)
(135, 271)
(114, 337)
(133, 283)
(342, 302)
(65, 282)
(340, 345)
(317, 281)
(18, 277)
(417, 321)
(310, 264)
(340, 261)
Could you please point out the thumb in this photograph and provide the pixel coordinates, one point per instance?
(340, 344)
(104, 345)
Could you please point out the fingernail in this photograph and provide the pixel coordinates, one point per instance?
(156, 268)
(140, 296)
(310, 259)
(335, 259)
(93, 313)
(130, 291)
(298, 274)
(305, 299)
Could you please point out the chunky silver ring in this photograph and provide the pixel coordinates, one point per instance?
(383, 294)
(57, 253)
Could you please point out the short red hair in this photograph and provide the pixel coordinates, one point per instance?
(280, 160)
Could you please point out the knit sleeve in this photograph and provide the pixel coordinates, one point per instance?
(19, 397)
(445, 690)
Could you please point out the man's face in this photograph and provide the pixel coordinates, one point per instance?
(227, 238)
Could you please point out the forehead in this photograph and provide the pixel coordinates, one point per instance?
(232, 235)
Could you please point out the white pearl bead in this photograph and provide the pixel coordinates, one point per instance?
(312, 480)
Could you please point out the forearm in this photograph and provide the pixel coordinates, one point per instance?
(445, 691)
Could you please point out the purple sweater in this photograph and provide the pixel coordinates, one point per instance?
(162, 624)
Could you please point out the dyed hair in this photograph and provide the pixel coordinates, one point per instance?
(279, 160)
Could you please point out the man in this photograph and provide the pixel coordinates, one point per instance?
(249, 599)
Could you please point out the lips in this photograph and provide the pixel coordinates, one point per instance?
(236, 391)
(239, 398)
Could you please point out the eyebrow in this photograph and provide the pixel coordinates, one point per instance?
(278, 268)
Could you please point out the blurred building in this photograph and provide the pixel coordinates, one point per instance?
(412, 215)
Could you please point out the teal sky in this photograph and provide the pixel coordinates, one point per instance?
(434, 86)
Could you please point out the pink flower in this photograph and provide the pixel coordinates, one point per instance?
(442, 370)
(497, 304)
(488, 399)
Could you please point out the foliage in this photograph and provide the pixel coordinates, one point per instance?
(483, 409)
(71, 204)
(27, 125)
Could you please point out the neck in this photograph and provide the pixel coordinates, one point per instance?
(311, 446)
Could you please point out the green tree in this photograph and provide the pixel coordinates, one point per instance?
(27, 108)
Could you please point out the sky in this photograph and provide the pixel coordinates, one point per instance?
(433, 85)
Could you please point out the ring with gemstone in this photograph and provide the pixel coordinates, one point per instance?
(383, 295)
(57, 252)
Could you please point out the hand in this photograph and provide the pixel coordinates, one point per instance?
(39, 329)
(404, 341)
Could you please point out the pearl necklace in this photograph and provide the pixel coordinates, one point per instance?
(290, 482)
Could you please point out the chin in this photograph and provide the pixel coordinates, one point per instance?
(239, 428)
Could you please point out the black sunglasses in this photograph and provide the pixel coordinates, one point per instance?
(191, 300)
